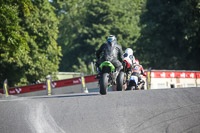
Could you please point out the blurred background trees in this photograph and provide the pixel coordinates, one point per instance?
(28, 47)
(170, 35)
(84, 26)
(41, 37)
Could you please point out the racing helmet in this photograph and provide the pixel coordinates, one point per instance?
(129, 54)
(129, 51)
(128, 57)
(112, 39)
(137, 61)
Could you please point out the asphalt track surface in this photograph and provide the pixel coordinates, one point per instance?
(147, 111)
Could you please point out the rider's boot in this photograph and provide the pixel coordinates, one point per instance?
(98, 74)
(114, 76)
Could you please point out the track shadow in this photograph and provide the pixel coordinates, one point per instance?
(74, 95)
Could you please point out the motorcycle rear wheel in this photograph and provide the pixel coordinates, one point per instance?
(120, 81)
(104, 84)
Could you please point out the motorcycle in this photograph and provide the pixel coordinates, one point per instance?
(107, 77)
(127, 65)
(131, 79)
(134, 84)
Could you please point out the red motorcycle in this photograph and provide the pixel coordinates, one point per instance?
(127, 66)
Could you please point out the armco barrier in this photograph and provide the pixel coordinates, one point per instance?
(159, 79)
(56, 84)
(174, 79)
(174, 74)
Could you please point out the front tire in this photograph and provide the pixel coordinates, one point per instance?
(120, 81)
(142, 88)
(131, 86)
(104, 84)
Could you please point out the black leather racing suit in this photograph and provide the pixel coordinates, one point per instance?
(111, 53)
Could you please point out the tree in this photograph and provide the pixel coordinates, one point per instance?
(71, 14)
(28, 33)
(42, 26)
(85, 26)
(169, 37)
(13, 46)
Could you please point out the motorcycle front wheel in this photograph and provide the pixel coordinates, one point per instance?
(131, 86)
(104, 84)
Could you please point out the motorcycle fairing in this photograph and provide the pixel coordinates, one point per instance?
(134, 78)
(107, 64)
(128, 64)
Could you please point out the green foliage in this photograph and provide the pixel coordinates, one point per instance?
(42, 28)
(168, 39)
(170, 35)
(13, 46)
(85, 26)
(28, 47)
(83, 68)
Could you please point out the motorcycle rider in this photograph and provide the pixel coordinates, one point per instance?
(129, 58)
(138, 71)
(111, 51)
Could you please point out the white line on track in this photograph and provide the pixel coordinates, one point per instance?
(41, 120)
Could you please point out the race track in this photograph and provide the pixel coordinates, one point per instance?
(148, 111)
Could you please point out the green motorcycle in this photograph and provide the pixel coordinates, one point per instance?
(107, 77)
